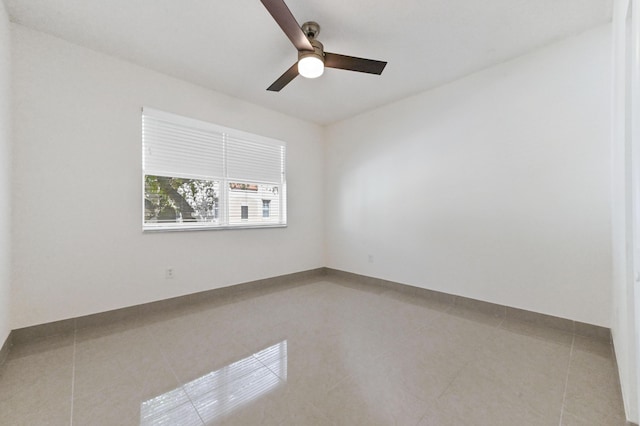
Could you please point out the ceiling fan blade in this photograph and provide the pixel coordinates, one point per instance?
(283, 16)
(351, 63)
(284, 79)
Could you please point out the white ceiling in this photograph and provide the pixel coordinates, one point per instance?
(235, 47)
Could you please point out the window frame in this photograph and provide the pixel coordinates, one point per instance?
(222, 205)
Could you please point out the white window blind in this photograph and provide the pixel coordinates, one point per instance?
(197, 175)
(256, 161)
(174, 149)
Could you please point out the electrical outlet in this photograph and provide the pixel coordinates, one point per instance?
(168, 273)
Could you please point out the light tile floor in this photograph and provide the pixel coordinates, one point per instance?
(313, 353)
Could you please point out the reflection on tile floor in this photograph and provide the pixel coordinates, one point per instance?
(313, 353)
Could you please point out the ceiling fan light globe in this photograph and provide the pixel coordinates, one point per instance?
(310, 66)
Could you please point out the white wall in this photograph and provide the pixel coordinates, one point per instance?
(5, 175)
(494, 187)
(78, 241)
(623, 319)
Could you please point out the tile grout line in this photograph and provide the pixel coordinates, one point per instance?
(175, 375)
(566, 381)
(267, 367)
(73, 372)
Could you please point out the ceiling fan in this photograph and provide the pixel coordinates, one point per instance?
(311, 55)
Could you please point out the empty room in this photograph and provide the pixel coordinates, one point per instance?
(301, 212)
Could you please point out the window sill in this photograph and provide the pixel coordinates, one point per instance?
(154, 229)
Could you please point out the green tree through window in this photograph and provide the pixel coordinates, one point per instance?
(171, 199)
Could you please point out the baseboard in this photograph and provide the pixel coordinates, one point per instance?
(6, 346)
(570, 326)
(299, 278)
(66, 326)
(617, 369)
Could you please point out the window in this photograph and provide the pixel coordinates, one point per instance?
(199, 175)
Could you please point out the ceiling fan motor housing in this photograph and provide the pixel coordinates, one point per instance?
(318, 51)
